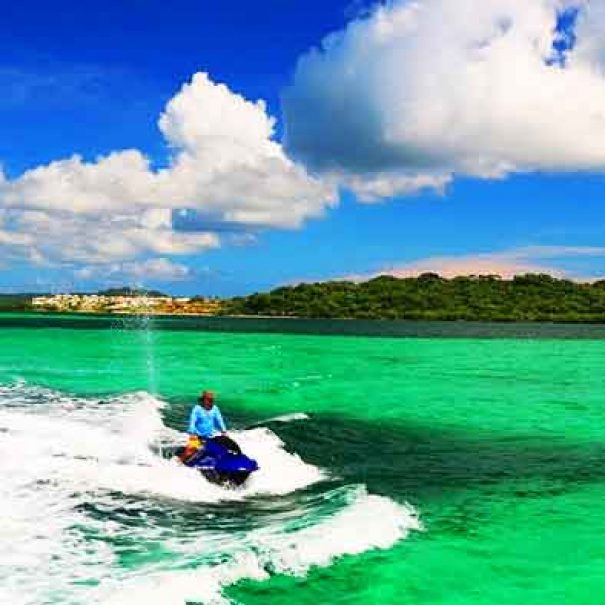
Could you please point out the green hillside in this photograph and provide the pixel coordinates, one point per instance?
(431, 297)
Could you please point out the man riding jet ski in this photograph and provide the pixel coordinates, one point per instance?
(209, 449)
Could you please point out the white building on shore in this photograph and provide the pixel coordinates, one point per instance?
(96, 302)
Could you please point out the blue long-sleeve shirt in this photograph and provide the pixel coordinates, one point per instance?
(205, 423)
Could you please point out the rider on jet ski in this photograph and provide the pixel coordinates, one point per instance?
(205, 422)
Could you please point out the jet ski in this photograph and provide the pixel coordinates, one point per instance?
(221, 461)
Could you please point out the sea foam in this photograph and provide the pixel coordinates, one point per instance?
(267, 552)
(60, 454)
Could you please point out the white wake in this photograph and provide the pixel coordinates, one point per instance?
(60, 453)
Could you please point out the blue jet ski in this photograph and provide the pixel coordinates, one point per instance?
(221, 461)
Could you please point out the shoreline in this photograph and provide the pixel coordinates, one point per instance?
(383, 328)
(90, 313)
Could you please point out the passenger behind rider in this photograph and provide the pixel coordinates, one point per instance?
(205, 421)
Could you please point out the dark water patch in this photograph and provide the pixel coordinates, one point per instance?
(377, 328)
(420, 464)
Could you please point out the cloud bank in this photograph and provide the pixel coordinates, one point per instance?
(431, 88)
(224, 165)
(506, 263)
(403, 99)
(161, 269)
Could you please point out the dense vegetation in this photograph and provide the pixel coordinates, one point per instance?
(15, 302)
(428, 297)
(431, 297)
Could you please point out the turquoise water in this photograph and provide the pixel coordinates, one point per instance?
(424, 470)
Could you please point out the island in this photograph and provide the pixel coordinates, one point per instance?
(524, 298)
(430, 297)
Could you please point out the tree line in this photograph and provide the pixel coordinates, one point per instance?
(15, 302)
(531, 297)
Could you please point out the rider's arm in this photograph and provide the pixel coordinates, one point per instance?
(218, 420)
(195, 412)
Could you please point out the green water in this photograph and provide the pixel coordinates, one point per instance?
(498, 444)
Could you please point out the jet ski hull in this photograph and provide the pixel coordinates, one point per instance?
(221, 461)
(234, 479)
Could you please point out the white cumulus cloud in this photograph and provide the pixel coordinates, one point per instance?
(68, 237)
(160, 269)
(403, 99)
(443, 87)
(223, 164)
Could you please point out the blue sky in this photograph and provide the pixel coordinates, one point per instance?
(387, 153)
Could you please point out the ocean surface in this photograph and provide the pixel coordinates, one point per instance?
(425, 470)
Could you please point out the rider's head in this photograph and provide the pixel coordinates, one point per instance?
(207, 399)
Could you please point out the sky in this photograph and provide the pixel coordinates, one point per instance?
(215, 148)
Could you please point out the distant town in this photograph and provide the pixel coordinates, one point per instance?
(149, 305)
